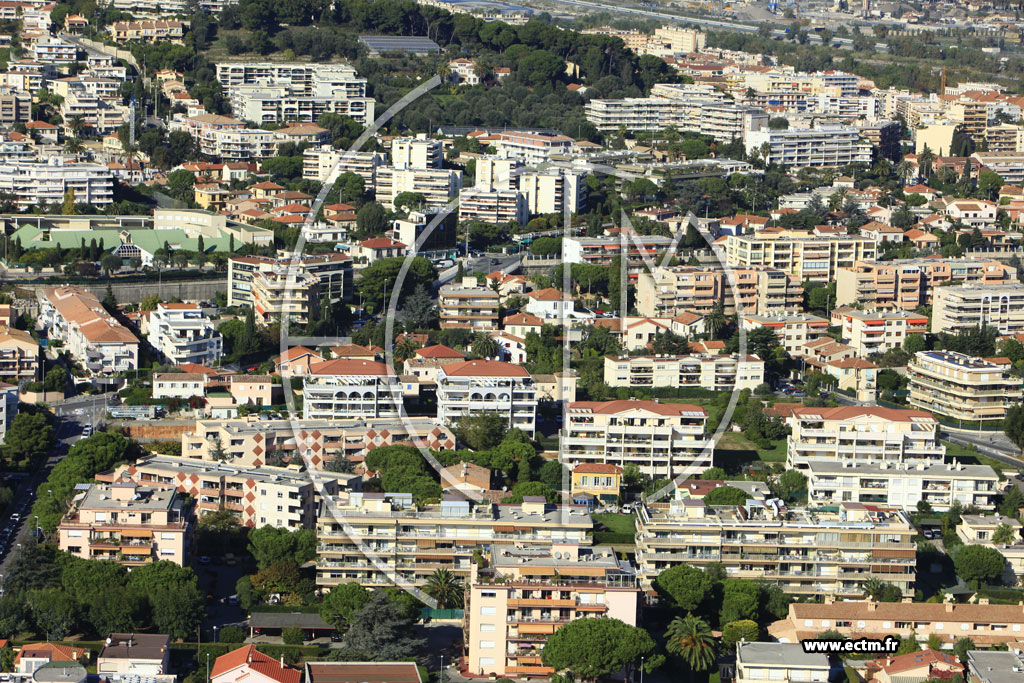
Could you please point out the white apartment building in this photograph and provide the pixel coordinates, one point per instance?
(183, 333)
(333, 273)
(8, 407)
(659, 438)
(821, 147)
(861, 434)
(963, 388)
(779, 662)
(275, 103)
(878, 331)
(708, 116)
(807, 257)
(475, 386)
(468, 305)
(794, 330)
(902, 484)
(437, 185)
(53, 50)
(226, 138)
(179, 385)
(416, 152)
(973, 304)
(34, 182)
(552, 190)
(351, 388)
(90, 334)
(493, 206)
(319, 162)
(731, 372)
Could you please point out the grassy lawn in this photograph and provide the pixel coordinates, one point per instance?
(621, 529)
(969, 457)
(734, 447)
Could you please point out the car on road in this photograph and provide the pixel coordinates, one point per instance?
(86, 431)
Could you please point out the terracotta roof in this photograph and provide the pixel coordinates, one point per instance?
(297, 352)
(349, 366)
(251, 379)
(522, 319)
(484, 368)
(179, 377)
(852, 362)
(621, 406)
(851, 412)
(439, 351)
(597, 468)
(248, 656)
(363, 672)
(355, 351)
(914, 660)
(380, 243)
(914, 611)
(51, 651)
(548, 294)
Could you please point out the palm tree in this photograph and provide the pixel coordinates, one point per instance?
(405, 348)
(74, 146)
(690, 638)
(925, 160)
(904, 171)
(484, 345)
(446, 588)
(716, 321)
(77, 125)
(873, 588)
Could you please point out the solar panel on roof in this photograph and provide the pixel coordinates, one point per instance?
(399, 44)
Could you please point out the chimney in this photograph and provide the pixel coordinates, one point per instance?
(949, 607)
(983, 601)
(872, 606)
(282, 661)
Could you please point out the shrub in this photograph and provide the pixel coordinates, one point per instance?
(293, 636)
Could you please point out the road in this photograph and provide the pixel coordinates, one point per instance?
(992, 444)
(488, 263)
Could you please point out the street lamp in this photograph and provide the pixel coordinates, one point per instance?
(215, 639)
(641, 669)
(440, 678)
(207, 666)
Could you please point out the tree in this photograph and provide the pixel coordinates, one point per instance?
(445, 588)
(685, 586)
(961, 647)
(978, 564)
(690, 638)
(914, 343)
(68, 209)
(382, 629)
(590, 649)
(371, 219)
(790, 484)
(29, 437)
(484, 346)
(726, 495)
(989, 184)
(293, 636)
(177, 610)
(1004, 535)
(908, 645)
(269, 544)
(1011, 502)
(181, 184)
(376, 282)
(342, 602)
(1013, 424)
(56, 379)
(54, 612)
(480, 430)
(418, 309)
(735, 631)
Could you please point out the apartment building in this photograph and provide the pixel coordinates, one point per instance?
(825, 146)
(963, 388)
(902, 484)
(911, 283)
(660, 438)
(346, 388)
(493, 206)
(981, 530)
(19, 355)
(98, 115)
(91, 335)
(468, 305)
(970, 305)
(281, 497)
(552, 190)
(599, 251)
(720, 372)
(817, 258)
(15, 106)
(53, 50)
(985, 624)
(707, 115)
(275, 103)
(437, 185)
(532, 148)
(380, 539)
(147, 31)
(34, 183)
(1009, 165)
(285, 293)
(872, 332)
(129, 524)
(179, 385)
(416, 152)
(487, 385)
(794, 330)
(992, 666)
(8, 407)
(183, 333)
(526, 594)
(860, 434)
(670, 291)
(319, 162)
(333, 274)
(226, 138)
(251, 442)
(757, 662)
(830, 551)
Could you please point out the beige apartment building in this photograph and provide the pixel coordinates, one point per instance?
(468, 305)
(470, 386)
(670, 291)
(380, 539)
(963, 388)
(911, 283)
(19, 355)
(249, 442)
(806, 257)
(284, 293)
(527, 594)
(129, 524)
(731, 372)
(970, 305)
(332, 271)
(825, 551)
(902, 484)
(258, 496)
(794, 330)
(872, 332)
(660, 438)
(983, 623)
(861, 434)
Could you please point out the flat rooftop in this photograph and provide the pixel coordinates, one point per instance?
(780, 654)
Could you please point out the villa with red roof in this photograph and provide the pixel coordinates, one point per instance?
(34, 655)
(550, 303)
(469, 386)
(660, 438)
(425, 362)
(249, 665)
(377, 248)
(296, 361)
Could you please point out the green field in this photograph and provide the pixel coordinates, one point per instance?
(621, 529)
(736, 448)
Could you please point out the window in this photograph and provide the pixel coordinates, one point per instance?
(166, 551)
(486, 644)
(167, 537)
(965, 627)
(860, 624)
(486, 628)
(488, 594)
(487, 661)
(487, 611)
(75, 534)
